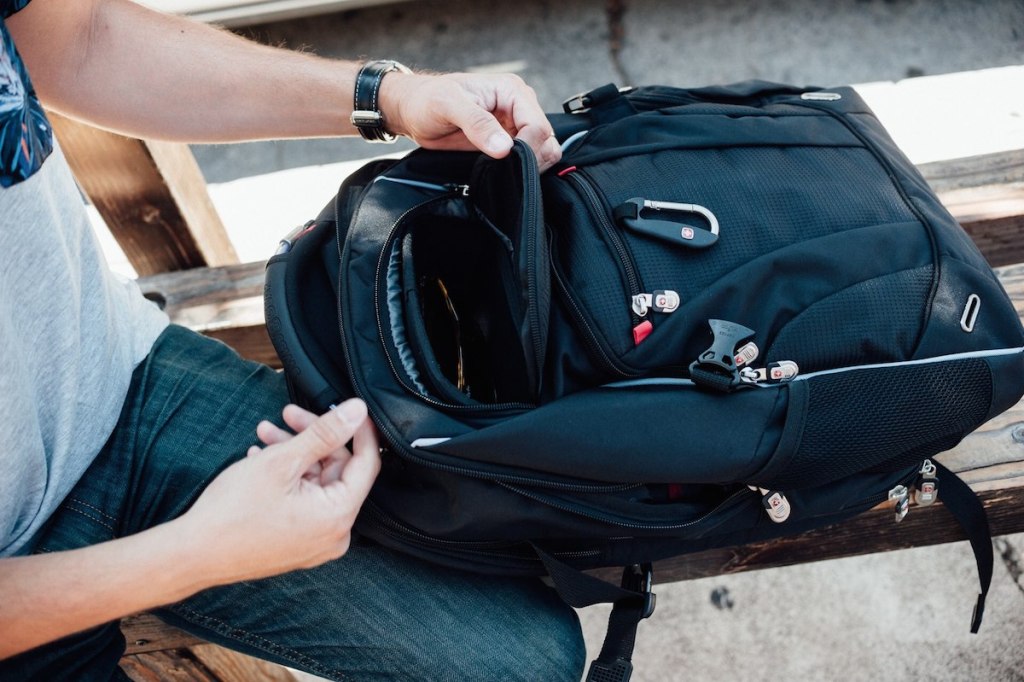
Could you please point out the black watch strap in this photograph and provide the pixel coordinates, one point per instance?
(366, 114)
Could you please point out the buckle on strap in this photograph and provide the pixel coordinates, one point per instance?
(584, 101)
(640, 578)
(716, 367)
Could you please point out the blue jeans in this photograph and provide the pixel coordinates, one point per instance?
(371, 615)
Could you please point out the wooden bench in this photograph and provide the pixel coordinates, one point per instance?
(190, 268)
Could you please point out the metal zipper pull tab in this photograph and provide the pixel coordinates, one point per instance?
(926, 488)
(783, 370)
(661, 301)
(775, 373)
(774, 502)
(901, 496)
(746, 354)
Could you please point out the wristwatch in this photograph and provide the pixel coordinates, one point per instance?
(366, 114)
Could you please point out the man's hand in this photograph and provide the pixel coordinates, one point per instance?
(467, 111)
(261, 516)
(292, 504)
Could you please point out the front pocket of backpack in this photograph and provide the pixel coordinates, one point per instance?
(763, 199)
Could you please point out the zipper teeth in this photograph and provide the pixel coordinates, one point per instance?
(728, 501)
(589, 336)
(531, 237)
(595, 205)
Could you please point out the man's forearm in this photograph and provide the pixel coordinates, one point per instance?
(130, 69)
(47, 596)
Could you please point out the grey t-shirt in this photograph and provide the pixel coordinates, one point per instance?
(71, 333)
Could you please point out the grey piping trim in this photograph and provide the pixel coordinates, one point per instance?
(427, 442)
(669, 381)
(398, 320)
(572, 138)
(997, 352)
(411, 183)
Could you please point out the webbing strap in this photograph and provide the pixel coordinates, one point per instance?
(969, 512)
(632, 602)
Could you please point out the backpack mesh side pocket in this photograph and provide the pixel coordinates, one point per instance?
(892, 416)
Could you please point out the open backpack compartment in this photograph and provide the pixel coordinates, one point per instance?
(465, 287)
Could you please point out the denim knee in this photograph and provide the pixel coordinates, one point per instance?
(540, 641)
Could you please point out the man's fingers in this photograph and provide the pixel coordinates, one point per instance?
(544, 145)
(325, 435)
(270, 433)
(362, 469)
(532, 124)
(481, 128)
(297, 418)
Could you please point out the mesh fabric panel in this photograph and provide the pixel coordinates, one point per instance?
(858, 420)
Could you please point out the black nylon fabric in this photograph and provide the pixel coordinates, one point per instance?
(831, 249)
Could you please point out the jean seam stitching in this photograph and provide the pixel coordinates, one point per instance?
(92, 518)
(229, 631)
(99, 511)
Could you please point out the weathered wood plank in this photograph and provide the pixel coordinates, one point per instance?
(201, 663)
(145, 632)
(986, 195)
(173, 665)
(151, 195)
(157, 652)
(231, 666)
(975, 171)
(224, 303)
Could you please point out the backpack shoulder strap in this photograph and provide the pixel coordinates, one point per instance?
(969, 512)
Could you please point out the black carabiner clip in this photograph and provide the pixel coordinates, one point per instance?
(638, 214)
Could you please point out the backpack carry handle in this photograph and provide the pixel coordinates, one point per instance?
(610, 103)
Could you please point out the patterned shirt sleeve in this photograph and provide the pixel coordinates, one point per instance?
(25, 136)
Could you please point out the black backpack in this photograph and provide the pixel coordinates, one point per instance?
(728, 314)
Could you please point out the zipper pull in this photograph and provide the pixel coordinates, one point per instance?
(901, 496)
(746, 354)
(774, 503)
(775, 373)
(461, 190)
(663, 301)
(926, 487)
